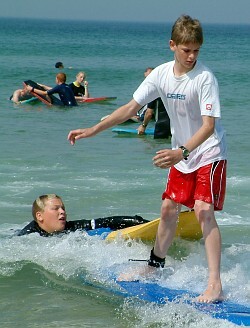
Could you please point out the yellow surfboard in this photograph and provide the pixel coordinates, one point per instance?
(187, 228)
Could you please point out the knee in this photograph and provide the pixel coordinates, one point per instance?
(169, 210)
(204, 212)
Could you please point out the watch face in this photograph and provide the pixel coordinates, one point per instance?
(185, 152)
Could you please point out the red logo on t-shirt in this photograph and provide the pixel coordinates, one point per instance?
(208, 106)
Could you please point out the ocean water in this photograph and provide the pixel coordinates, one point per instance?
(64, 281)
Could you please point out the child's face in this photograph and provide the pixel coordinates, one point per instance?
(185, 54)
(80, 78)
(53, 217)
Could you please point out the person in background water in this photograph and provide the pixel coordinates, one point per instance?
(156, 110)
(140, 114)
(20, 95)
(64, 91)
(80, 91)
(197, 161)
(59, 65)
(50, 218)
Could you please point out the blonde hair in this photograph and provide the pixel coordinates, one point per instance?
(187, 30)
(40, 202)
(83, 73)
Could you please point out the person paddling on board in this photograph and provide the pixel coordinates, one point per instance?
(50, 218)
(64, 91)
(197, 160)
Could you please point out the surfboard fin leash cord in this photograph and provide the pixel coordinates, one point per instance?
(137, 260)
(153, 261)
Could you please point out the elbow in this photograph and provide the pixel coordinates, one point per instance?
(132, 107)
(210, 131)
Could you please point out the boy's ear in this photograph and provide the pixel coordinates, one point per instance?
(172, 45)
(39, 216)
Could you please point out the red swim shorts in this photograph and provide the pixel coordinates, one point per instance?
(207, 184)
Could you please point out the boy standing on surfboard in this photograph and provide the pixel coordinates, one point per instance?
(197, 160)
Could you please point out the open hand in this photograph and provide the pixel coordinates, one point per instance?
(166, 158)
(79, 134)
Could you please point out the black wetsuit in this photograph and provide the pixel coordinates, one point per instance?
(65, 93)
(162, 124)
(112, 222)
(78, 91)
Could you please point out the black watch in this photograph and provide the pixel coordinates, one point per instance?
(185, 152)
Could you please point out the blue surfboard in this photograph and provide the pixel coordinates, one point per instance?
(149, 131)
(152, 292)
(30, 100)
(103, 232)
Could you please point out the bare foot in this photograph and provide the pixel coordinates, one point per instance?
(212, 294)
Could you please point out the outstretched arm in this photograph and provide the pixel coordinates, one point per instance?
(38, 91)
(46, 87)
(120, 115)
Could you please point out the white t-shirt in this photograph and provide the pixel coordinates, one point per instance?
(187, 99)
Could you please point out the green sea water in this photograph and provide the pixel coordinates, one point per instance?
(41, 278)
